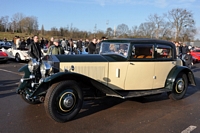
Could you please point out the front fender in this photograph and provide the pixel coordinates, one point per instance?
(60, 76)
(27, 73)
(174, 73)
(57, 77)
(25, 70)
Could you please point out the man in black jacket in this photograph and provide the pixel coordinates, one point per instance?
(92, 46)
(79, 45)
(188, 59)
(35, 49)
(184, 50)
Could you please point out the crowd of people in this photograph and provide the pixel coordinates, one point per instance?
(184, 52)
(55, 46)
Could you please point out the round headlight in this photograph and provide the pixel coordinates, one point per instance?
(33, 65)
(45, 68)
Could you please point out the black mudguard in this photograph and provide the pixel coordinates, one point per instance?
(61, 76)
(175, 72)
(27, 73)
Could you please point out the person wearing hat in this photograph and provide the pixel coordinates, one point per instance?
(55, 49)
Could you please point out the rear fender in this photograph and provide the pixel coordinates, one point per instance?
(174, 73)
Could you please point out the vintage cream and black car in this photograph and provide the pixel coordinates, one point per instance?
(124, 68)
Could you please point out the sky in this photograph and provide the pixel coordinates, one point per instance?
(88, 14)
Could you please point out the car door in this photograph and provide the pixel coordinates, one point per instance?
(139, 76)
(163, 64)
(140, 69)
(117, 74)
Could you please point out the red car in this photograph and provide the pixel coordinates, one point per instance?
(196, 55)
(3, 57)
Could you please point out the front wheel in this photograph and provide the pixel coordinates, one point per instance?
(63, 101)
(179, 88)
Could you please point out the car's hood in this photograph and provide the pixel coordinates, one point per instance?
(85, 58)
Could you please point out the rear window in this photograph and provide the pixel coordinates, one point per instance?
(142, 51)
(151, 51)
(163, 51)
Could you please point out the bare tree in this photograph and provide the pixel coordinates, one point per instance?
(29, 25)
(146, 30)
(4, 22)
(134, 31)
(100, 33)
(61, 31)
(188, 33)
(54, 31)
(165, 31)
(180, 19)
(109, 32)
(157, 21)
(16, 20)
(122, 30)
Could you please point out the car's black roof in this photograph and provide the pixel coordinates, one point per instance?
(120, 40)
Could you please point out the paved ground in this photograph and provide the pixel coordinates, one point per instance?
(153, 114)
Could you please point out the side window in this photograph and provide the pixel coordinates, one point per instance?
(142, 51)
(163, 51)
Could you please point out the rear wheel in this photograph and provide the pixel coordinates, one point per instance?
(17, 57)
(63, 101)
(179, 88)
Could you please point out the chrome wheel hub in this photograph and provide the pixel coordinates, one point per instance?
(180, 86)
(68, 101)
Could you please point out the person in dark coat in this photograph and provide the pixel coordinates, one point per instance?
(22, 45)
(92, 46)
(79, 45)
(42, 43)
(188, 59)
(35, 49)
(184, 50)
(28, 41)
(86, 43)
(98, 46)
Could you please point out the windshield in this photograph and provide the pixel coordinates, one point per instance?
(115, 48)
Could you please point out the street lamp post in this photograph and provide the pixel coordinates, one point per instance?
(95, 28)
